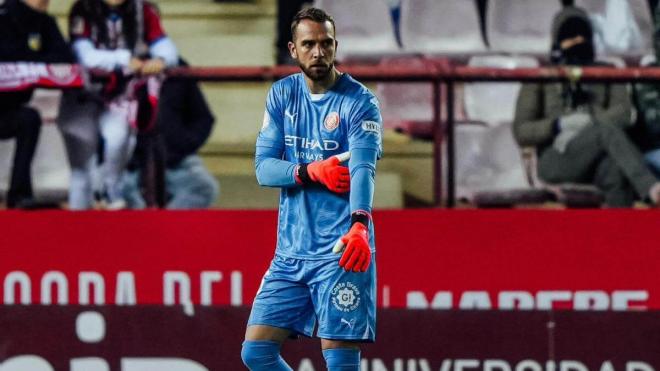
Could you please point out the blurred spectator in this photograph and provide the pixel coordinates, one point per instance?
(647, 99)
(183, 124)
(27, 33)
(578, 128)
(123, 37)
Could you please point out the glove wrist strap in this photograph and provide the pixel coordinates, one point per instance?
(302, 175)
(361, 216)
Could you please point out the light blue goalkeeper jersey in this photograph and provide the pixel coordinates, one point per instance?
(299, 129)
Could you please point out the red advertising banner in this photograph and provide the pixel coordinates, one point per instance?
(25, 75)
(472, 259)
(150, 338)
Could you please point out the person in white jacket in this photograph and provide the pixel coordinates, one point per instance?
(122, 37)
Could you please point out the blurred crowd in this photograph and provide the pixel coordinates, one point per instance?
(132, 137)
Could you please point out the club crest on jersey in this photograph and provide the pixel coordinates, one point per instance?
(331, 121)
(345, 297)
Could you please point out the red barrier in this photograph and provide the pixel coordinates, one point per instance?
(586, 260)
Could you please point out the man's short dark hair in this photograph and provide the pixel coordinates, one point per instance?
(314, 14)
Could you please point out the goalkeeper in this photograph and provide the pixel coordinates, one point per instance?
(312, 120)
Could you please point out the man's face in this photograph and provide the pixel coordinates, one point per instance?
(314, 48)
(114, 3)
(38, 5)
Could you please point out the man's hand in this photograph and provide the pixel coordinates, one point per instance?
(569, 127)
(153, 66)
(135, 64)
(328, 172)
(357, 254)
(575, 121)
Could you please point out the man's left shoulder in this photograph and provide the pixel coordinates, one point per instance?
(360, 93)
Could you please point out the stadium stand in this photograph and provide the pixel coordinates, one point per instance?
(366, 27)
(441, 27)
(50, 173)
(494, 103)
(208, 33)
(520, 26)
(406, 107)
(487, 156)
(623, 38)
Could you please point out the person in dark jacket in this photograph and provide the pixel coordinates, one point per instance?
(183, 125)
(578, 129)
(27, 34)
(647, 99)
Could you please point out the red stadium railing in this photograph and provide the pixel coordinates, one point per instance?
(437, 74)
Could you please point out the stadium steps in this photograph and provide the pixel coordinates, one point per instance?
(404, 172)
(242, 192)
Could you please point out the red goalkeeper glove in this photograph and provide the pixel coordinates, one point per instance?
(357, 254)
(327, 172)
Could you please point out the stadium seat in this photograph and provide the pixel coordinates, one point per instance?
(647, 60)
(408, 107)
(364, 27)
(637, 41)
(494, 103)
(487, 159)
(441, 27)
(404, 101)
(520, 26)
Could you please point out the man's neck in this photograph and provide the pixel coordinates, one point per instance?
(320, 87)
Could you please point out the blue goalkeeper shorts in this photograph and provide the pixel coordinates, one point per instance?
(300, 295)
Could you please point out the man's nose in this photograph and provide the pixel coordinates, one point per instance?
(318, 51)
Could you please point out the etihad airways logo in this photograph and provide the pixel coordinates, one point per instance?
(307, 143)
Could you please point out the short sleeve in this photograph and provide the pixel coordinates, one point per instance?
(366, 125)
(153, 30)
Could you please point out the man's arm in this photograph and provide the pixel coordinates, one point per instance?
(56, 49)
(618, 111)
(184, 117)
(532, 126)
(270, 168)
(365, 141)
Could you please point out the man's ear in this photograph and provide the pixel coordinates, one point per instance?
(292, 50)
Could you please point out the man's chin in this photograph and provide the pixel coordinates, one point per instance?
(316, 74)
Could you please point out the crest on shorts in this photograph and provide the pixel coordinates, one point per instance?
(331, 121)
(345, 297)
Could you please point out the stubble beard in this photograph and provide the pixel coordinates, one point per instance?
(317, 75)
